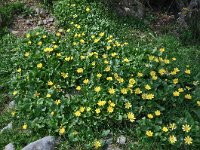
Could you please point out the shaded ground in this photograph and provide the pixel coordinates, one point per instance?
(37, 17)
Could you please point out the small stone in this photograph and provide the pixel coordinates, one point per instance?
(28, 22)
(14, 32)
(112, 147)
(51, 19)
(121, 140)
(37, 10)
(40, 22)
(127, 9)
(8, 127)
(11, 105)
(46, 143)
(45, 22)
(10, 146)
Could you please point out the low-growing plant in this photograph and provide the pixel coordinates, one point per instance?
(82, 84)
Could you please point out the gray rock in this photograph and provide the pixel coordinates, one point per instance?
(37, 10)
(28, 22)
(46, 143)
(8, 127)
(11, 105)
(113, 147)
(51, 19)
(45, 22)
(10, 146)
(14, 32)
(40, 22)
(121, 140)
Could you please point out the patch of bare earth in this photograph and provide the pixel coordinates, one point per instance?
(37, 18)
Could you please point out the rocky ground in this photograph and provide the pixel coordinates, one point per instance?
(38, 17)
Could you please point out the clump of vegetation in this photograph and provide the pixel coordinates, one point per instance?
(82, 84)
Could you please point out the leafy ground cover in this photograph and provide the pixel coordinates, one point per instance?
(97, 78)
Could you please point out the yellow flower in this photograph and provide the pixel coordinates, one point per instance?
(186, 128)
(176, 93)
(109, 78)
(172, 126)
(50, 83)
(97, 110)
(131, 117)
(114, 54)
(128, 105)
(48, 95)
(188, 140)
(154, 77)
(25, 126)
(19, 70)
(39, 43)
(107, 69)
(198, 103)
(166, 61)
(165, 129)
(13, 113)
(162, 50)
(101, 34)
(173, 58)
(96, 40)
(101, 103)
(111, 104)
(57, 102)
(110, 109)
(111, 90)
(131, 81)
(149, 133)
(58, 54)
(97, 144)
(138, 91)
(97, 89)
(62, 131)
(121, 80)
(162, 71)
(187, 71)
(126, 60)
(79, 70)
(108, 47)
(152, 73)
(48, 49)
(44, 36)
(149, 96)
(157, 113)
(28, 35)
(86, 81)
(58, 34)
(82, 41)
(52, 113)
(77, 113)
(139, 74)
(172, 139)
(188, 96)
(147, 87)
(150, 116)
(93, 63)
(82, 109)
(88, 109)
(26, 54)
(99, 75)
(78, 88)
(64, 75)
(87, 9)
(124, 91)
(180, 90)
(175, 81)
(39, 65)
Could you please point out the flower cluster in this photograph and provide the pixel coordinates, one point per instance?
(77, 82)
